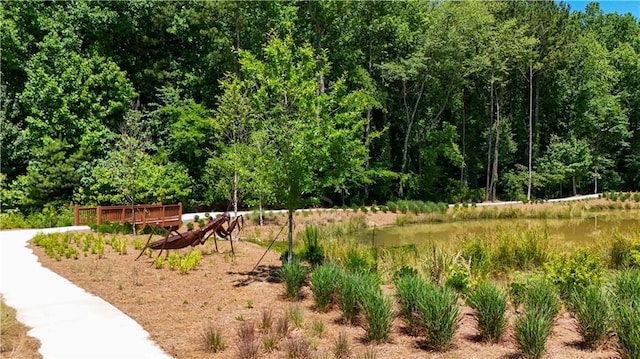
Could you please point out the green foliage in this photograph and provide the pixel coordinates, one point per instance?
(439, 315)
(578, 271)
(541, 306)
(626, 312)
(350, 289)
(324, 284)
(312, 252)
(409, 290)
(293, 275)
(490, 304)
(624, 251)
(591, 309)
(378, 314)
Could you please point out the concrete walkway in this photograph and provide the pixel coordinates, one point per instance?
(68, 321)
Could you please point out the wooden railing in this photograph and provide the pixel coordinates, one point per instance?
(163, 215)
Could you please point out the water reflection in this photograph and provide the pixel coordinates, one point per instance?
(566, 233)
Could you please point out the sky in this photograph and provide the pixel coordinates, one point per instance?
(620, 6)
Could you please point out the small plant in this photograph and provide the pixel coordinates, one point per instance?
(439, 313)
(266, 320)
(392, 206)
(298, 348)
(591, 310)
(575, 272)
(369, 353)
(341, 347)
(158, 262)
(295, 315)
(324, 284)
(319, 328)
(249, 303)
(247, 345)
(282, 326)
(190, 226)
(313, 251)
(490, 304)
(350, 287)
(213, 340)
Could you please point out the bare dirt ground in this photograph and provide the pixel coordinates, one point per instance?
(225, 292)
(14, 341)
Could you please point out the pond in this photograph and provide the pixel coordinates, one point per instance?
(564, 233)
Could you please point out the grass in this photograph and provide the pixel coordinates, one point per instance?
(592, 312)
(296, 315)
(213, 340)
(324, 284)
(490, 304)
(378, 313)
(439, 312)
(247, 344)
(341, 346)
(293, 275)
(297, 347)
(533, 328)
(409, 290)
(626, 311)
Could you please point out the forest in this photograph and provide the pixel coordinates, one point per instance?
(314, 103)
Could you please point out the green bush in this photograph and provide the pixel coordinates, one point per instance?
(378, 313)
(293, 275)
(392, 206)
(627, 286)
(590, 307)
(478, 252)
(440, 316)
(575, 272)
(350, 288)
(324, 284)
(409, 291)
(490, 304)
(624, 252)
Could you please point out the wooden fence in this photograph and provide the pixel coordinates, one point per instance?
(164, 215)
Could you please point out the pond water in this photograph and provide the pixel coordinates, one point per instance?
(566, 233)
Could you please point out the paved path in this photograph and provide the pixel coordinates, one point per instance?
(68, 321)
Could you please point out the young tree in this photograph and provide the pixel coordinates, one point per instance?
(306, 131)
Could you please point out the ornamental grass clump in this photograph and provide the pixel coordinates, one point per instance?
(439, 311)
(626, 313)
(213, 340)
(293, 275)
(324, 284)
(541, 305)
(490, 304)
(409, 290)
(590, 307)
(378, 313)
(350, 292)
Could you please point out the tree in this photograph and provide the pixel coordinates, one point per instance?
(302, 126)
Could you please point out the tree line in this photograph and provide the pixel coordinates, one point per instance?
(288, 104)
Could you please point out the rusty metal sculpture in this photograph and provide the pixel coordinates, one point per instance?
(215, 227)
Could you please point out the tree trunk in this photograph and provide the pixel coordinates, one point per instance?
(464, 145)
(411, 116)
(530, 129)
(494, 175)
(575, 190)
(290, 253)
(487, 188)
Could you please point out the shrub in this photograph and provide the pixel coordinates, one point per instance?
(392, 206)
(479, 255)
(439, 313)
(490, 304)
(324, 284)
(627, 286)
(293, 277)
(591, 310)
(575, 272)
(458, 278)
(624, 252)
(409, 290)
(213, 340)
(378, 313)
